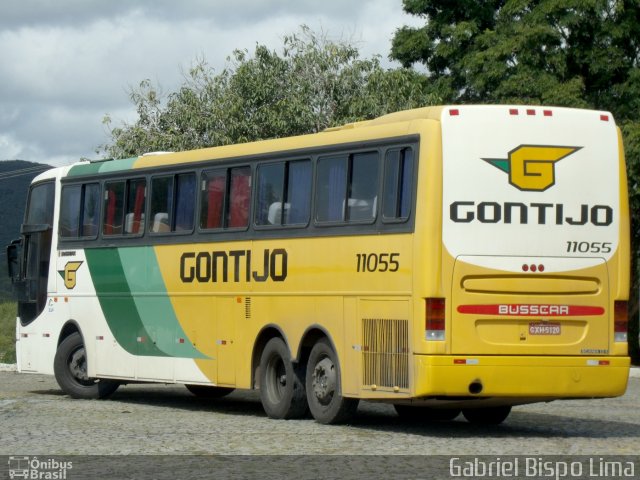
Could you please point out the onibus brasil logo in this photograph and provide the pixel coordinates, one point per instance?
(531, 168)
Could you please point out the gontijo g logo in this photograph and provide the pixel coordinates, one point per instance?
(69, 274)
(532, 167)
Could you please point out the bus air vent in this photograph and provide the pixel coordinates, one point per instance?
(385, 350)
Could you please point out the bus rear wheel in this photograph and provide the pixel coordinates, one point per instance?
(487, 415)
(281, 383)
(70, 369)
(326, 403)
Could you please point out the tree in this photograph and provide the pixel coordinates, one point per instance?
(312, 84)
(577, 53)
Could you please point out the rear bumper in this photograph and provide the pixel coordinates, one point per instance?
(515, 377)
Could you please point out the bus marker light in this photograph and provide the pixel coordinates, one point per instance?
(24, 335)
(466, 361)
(454, 112)
(531, 112)
(596, 363)
(548, 113)
(513, 111)
(99, 337)
(533, 268)
(46, 335)
(604, 118)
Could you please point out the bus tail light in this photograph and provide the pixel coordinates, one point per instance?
(434, 319)
(620, 321)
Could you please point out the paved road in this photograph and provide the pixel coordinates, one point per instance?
(37, 419)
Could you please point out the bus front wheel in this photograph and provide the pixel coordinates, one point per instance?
(281, 383)
(326, 403)
(70, 369)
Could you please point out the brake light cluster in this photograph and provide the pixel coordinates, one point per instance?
(620, 321)
(435, 319)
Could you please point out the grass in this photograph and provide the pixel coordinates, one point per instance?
(7, 332)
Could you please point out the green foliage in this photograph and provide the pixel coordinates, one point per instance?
(311, 84)
(8, 332)
(580, 53)
(577, 53)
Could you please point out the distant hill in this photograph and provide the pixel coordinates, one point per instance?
(15, 177)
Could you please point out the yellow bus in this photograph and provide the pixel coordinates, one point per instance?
(443, 259)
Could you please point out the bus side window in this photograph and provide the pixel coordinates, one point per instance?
(347, 188)
(79, 222)
(331, 188)
(212, 197)
(239, 197)
(298, 193)
(172, 203)
(113, 208)
(398, 181)
(161, 204)
(124, 207)
(69, 212)
(134, 223)
(362, 201)
(90, 210)
(185, 202)
(284, 193)
(270, 194)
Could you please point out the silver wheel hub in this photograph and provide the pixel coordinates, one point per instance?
(78, 365)
(324, 381)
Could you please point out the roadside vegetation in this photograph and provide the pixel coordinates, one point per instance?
(7, 332)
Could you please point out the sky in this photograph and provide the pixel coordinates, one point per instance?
(65, 64)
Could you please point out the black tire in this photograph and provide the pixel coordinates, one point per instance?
(326, 403)
(281, 383)
(426, 414)
(205, 391)
(70, 369)
(487, 415)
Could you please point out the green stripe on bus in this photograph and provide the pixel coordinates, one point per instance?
(92, 168)
(154, 306)
(117, 303)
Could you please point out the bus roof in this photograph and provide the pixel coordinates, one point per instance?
(386, 126)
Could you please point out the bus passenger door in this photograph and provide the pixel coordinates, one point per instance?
(29, 269)
(28, 266)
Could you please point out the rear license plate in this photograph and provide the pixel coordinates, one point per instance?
(544, 328)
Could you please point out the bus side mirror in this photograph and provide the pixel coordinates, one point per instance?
(13, 267)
